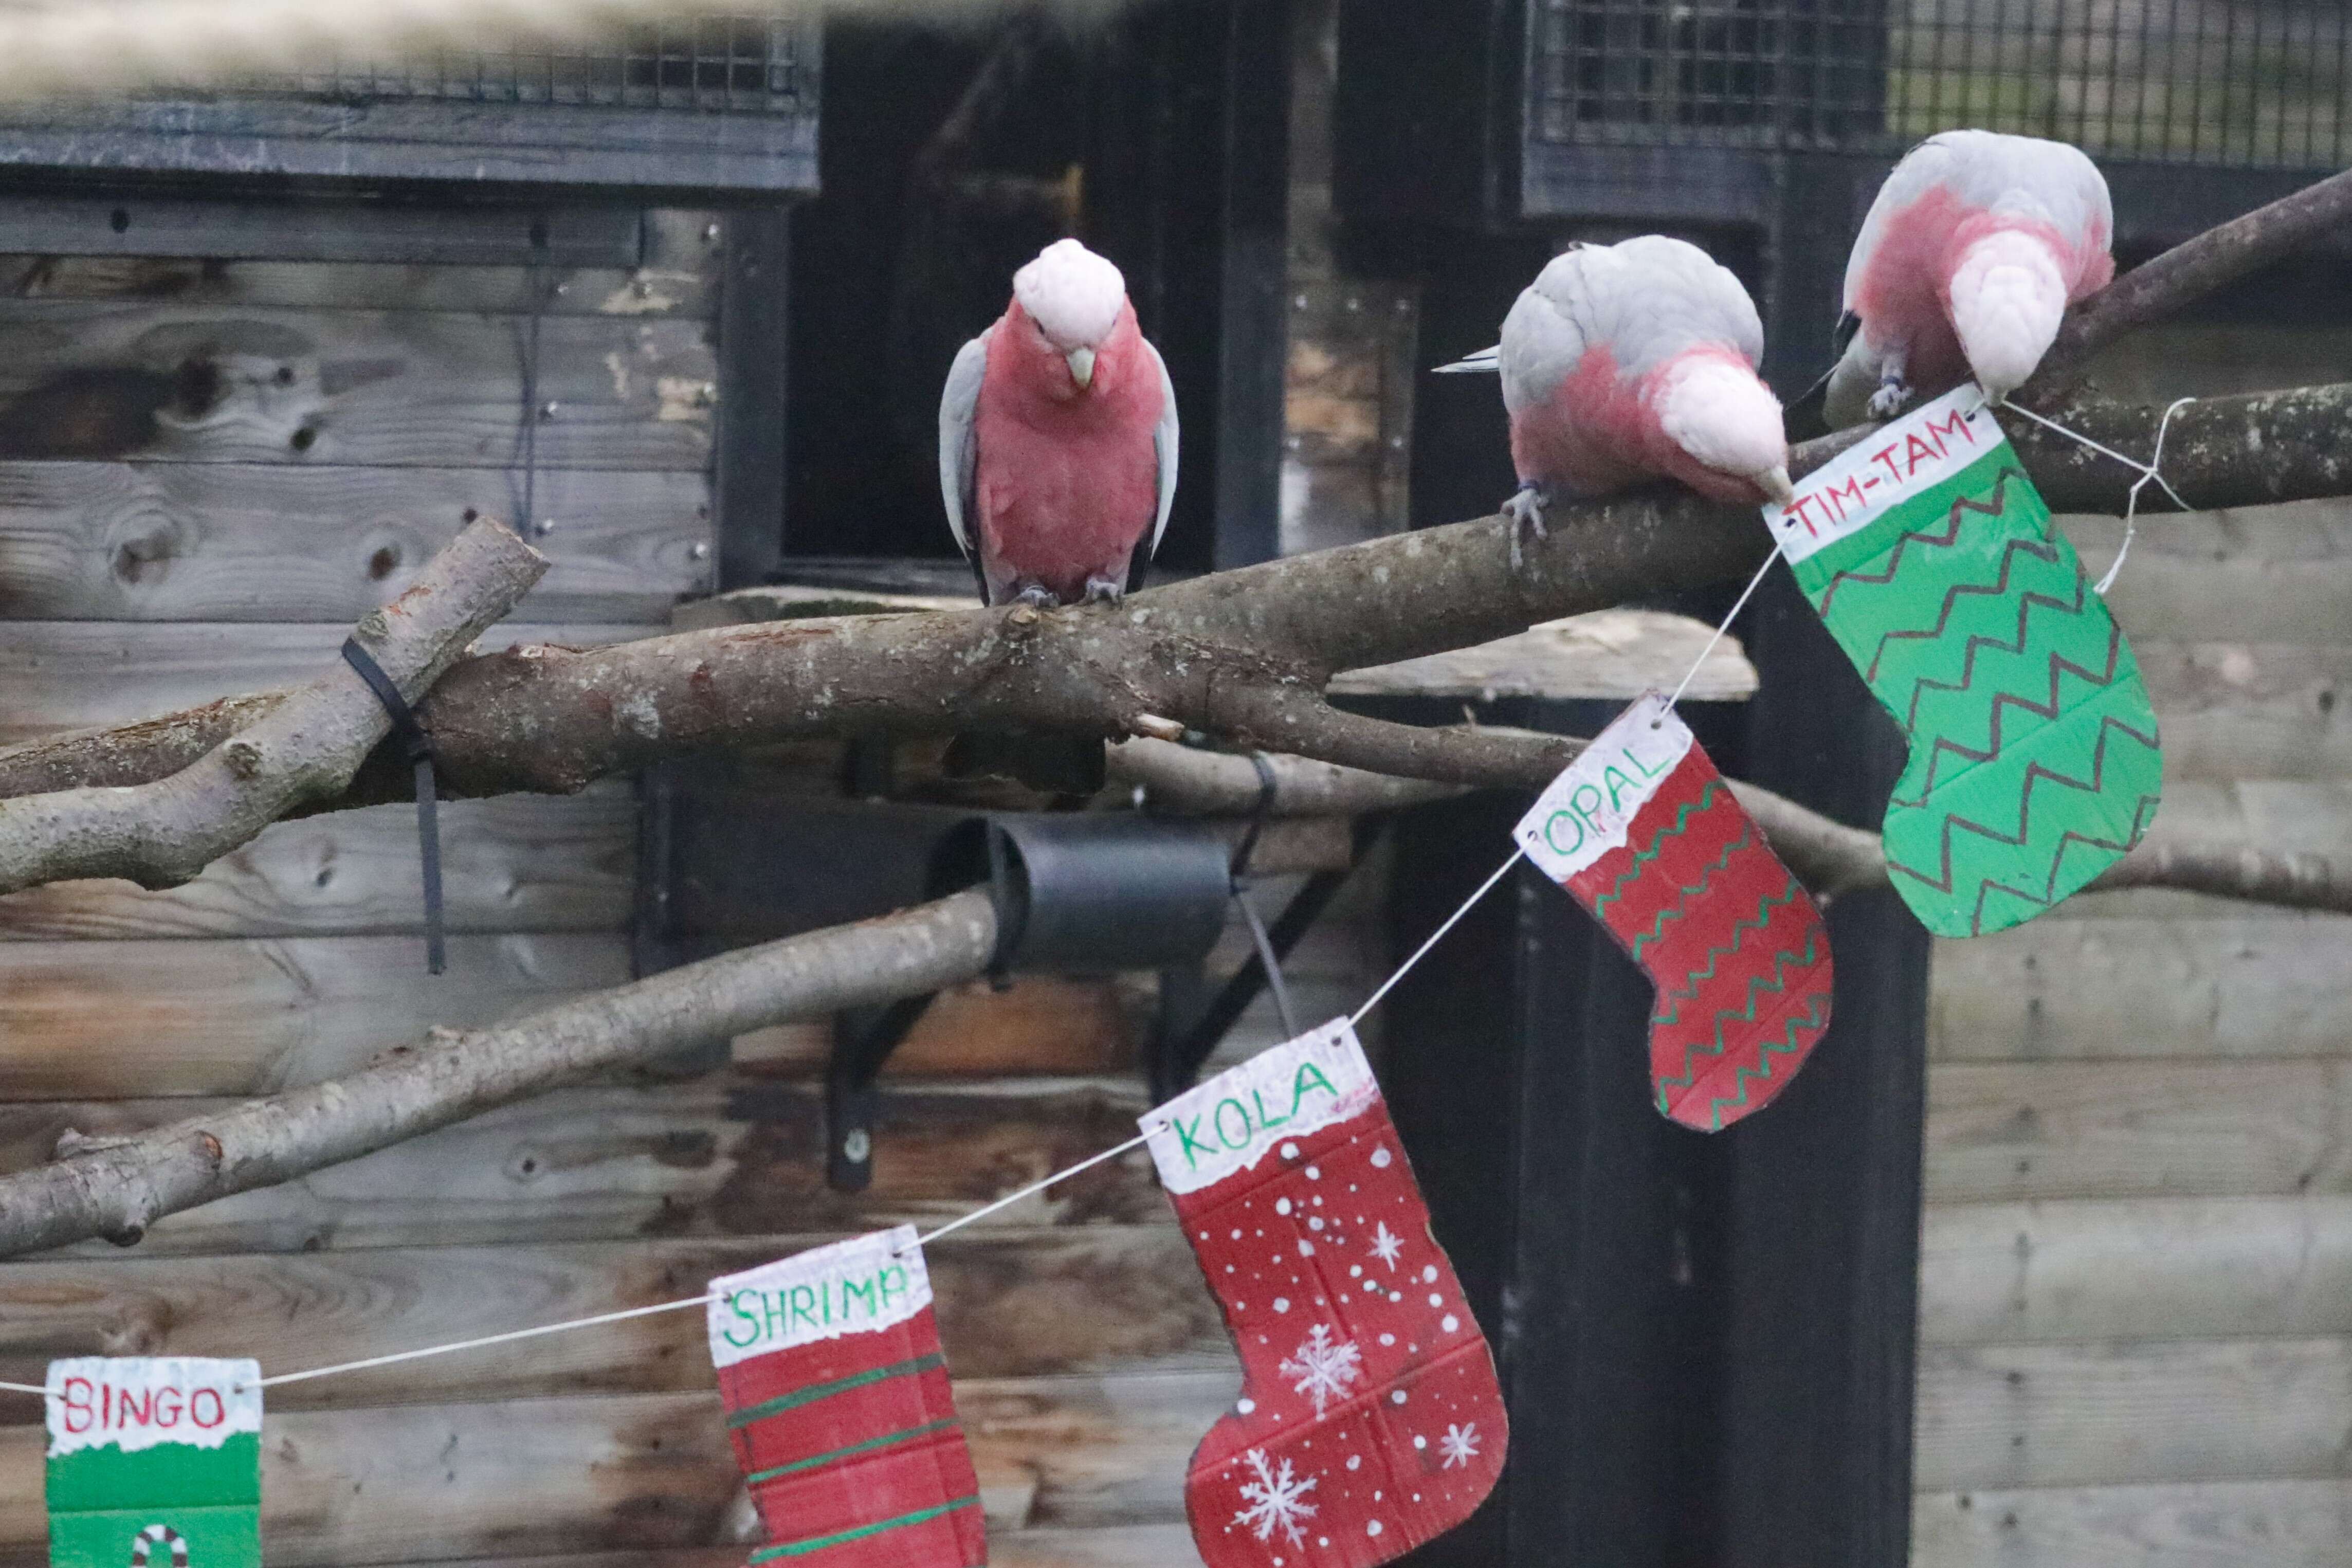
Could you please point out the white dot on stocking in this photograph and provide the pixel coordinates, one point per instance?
(1315, 1224)
(1306, 1249)
(1290, 1150)
(1388, 1339)
(1314, 1172)
(1419, 1441)
(1435, 1299)
(1282, 1303)
(1396, 1396)
(1450, 1323)
(1429, 1275)
(1381, 1158)
(1354, 1271)
(1355, 1461)
(1246, 1405)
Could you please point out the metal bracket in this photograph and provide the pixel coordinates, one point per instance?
(863, 1040)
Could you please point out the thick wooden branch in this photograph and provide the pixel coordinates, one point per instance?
(117, 1189)
(306, 748)
(2161, 287)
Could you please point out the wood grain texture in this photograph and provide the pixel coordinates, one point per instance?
(1018, 1303)
(2183, 1410)
(651, 1472)
(97, 1019)
(2012, 1131)
(2239, 985)
(176, 382)
(532, 863)
(77, 675)
(678, 279)
(2263, 710)
(2083, 1272)
(722, 1157)
(238, 541)
(2274, 574)
(2214, 1524)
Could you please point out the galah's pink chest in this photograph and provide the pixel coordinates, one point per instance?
(1592, 435)
(1066, 488)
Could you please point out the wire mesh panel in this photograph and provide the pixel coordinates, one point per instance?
(718, 104)
(2243, 83)
(725, 64)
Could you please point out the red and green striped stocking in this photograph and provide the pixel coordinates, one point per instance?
(838, 1406)
(1644, 834)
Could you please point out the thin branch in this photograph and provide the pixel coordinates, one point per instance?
(307, 747)
(117, 1189)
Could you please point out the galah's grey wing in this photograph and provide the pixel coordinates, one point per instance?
(960, 438)
(1164, 443)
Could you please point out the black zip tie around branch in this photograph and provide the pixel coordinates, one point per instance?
(419, 746)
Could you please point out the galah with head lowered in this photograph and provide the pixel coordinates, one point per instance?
(1057, 439)
(1976, 246)
(1630, 362)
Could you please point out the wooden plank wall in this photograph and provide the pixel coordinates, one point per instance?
(207, 471)
(2137, 1304)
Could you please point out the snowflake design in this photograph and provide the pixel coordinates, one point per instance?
(1460, 1445)
(1324, 1364)
(1387, 1245)
(1277, 1501)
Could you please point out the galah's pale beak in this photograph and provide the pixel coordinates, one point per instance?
(1776, 486)
(1082, 367)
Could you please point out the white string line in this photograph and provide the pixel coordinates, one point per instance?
(1434, 938)
(1738, 604)
(1138, 1141)
(2145, 470)
(2131, 502)
(26, 1388)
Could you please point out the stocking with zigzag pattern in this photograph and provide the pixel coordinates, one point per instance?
(2035, 762)
(1647, 836)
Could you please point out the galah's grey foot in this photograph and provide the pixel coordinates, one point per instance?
(1893, 396)
(1036, 597)
(1103, 590)
(1526, 510)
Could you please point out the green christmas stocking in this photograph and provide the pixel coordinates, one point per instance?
(154, 1461)
(2034, 763)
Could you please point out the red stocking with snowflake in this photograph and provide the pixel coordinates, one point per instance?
(1645, 833)
(1370, 1419)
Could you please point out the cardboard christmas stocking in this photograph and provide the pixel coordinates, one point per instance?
(154, 1461)
(1644, 834)
(2034, 763)
(838, 1406)
(1370, 1419)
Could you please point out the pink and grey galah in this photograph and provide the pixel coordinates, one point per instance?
(1631, 362)
(1058, 438)
(1964, 268)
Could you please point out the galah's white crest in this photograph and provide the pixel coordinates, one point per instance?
(1057, 439)
(1976, 246)
(1624, 362)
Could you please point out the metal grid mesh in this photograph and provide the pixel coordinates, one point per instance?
(2243, 83)
(726, 65)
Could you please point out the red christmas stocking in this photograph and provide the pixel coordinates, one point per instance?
(1645, 833)
(837, 1403)
(1370, 1420)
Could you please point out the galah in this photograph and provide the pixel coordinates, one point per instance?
(1965, 266)
(1630, 361)
(1057, 439)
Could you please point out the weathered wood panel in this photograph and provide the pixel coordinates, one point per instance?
(2224, 986)
(75, 675)
(1037, 1025)
(96, 1019)
(2274, 574)
(1015, 1304)
(186, 383)
(2251, 709)
(718, 1157)
(518, 863)
(2119, 1129)
(600, 1474)
(2201, 1267)
(677, 278)
(2227, 1524)
(236, 541)
(2190, 1410)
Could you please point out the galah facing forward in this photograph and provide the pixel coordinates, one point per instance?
(1057, 439)
(1976, 246)
(1630, 362)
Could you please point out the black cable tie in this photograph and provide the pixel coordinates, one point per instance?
(1267, 789)
(412, 737)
